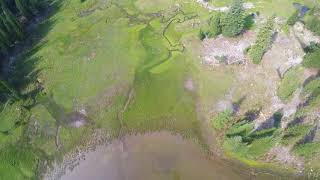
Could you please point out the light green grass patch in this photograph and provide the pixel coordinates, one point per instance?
(222, 119)
(290, 82)
(149, 6)
(307, 150)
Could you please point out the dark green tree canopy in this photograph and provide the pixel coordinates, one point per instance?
(11, 28)
(233, 22)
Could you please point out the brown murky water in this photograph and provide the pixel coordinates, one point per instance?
(155, 156)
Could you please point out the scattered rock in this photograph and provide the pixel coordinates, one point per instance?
(304, 35)
(205, 4)
(77, 120)
(222, 50)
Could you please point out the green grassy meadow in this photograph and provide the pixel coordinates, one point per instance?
(126, 62)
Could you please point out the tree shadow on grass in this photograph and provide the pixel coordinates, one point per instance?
(20, 72)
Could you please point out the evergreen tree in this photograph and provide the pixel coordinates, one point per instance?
(10, 28)
(233, 22)
(23, 8)
(214, 25)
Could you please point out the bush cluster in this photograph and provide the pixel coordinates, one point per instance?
(312, 58)
(233, 22)
(214, 25)
(312, 21)
(230, 24)
(263, 42)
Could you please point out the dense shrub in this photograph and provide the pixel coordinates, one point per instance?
(263, 41)
(312, 21)
(214, 25)
(212, 28)
(312, 58)
(11, 28)
(293, 18)
(202, 34)
(233, 22)
(244, 142)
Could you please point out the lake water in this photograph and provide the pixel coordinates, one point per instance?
(156, 156)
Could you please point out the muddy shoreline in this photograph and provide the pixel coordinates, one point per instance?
(154, 155)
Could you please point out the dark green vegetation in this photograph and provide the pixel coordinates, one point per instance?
(212, 27)
(312, 20)
(241, 140)
(263, 41)
(11, 20)
(233, 22)
(311, 93)
(230, 24)
(312, 58)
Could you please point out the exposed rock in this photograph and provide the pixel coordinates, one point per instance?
(226, 104)
(222, 50)
(290, 109)
(248, 5)
(310, 136)
(304, 35)
(205, 4)
(280, 21)
(77, 120)
(189, 85)
(292, 53)
(317, 131)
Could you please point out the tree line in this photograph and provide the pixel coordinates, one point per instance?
(13, 15)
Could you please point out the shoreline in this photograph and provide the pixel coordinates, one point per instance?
(73, 160)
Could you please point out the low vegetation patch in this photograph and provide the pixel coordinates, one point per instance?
(289, 84)
(307, 150)
(294, 134)
(222, 119)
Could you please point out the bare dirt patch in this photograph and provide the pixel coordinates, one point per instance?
(226, 50)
